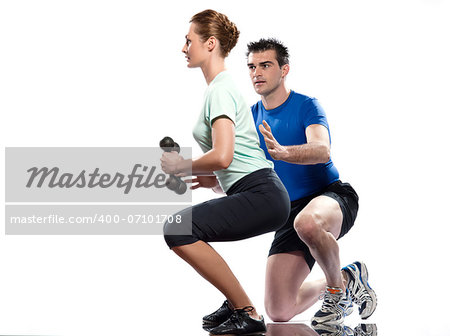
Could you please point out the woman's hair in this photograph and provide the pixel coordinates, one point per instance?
(211, 23)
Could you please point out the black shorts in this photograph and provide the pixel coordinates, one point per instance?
(256, 204)
(287, 240)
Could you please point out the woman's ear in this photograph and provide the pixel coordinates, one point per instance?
(212, 42)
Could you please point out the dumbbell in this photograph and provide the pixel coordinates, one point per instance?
(173, 182)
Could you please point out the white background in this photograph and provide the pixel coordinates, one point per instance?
(111, 73)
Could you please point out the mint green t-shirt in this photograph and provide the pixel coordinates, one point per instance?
(222, 98)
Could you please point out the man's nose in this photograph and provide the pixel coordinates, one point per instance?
(257, 72)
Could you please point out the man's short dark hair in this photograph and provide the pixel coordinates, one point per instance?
(281, 51)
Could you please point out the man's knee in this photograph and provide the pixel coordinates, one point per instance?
(278, 311)
(309, 227)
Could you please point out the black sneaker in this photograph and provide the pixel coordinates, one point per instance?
(240, 323)
(218, 317)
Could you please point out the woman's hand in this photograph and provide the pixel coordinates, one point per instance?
(170, 162)
(209, 182)
(203, 182)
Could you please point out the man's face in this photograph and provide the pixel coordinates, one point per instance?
(265, 72)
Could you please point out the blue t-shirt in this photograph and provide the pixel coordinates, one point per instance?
(288, 123)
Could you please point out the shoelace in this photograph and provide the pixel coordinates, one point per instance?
(225, 305)
(329, 301)
(361, 294)
(236, 317)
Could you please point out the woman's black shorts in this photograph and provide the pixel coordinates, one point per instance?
(287, 240)
(256, 204)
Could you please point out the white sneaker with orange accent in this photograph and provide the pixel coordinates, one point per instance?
(360, 291)
(336, 305)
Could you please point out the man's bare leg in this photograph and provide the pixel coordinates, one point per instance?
(286, 294)
(319, 225)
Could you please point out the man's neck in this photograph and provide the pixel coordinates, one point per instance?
(276, 98)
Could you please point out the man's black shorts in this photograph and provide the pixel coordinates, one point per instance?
(287, 240)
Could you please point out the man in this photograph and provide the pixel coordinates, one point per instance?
(295, 136)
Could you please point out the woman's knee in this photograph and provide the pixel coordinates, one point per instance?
(176, 235)
(171, 240)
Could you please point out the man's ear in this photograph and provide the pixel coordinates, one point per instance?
(285, 70)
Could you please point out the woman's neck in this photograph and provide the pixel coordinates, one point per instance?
(212, 68)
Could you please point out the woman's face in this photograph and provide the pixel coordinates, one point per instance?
(195, 50)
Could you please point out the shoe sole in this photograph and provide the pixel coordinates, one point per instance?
(336, 330)
(209, 323)
(371, 329)
(320, 320)
(317, 321)
(364, 273)
(330, 322)
(261, 333)
(207, 326)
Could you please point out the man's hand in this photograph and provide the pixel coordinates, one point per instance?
(276, 151)
(169, 161)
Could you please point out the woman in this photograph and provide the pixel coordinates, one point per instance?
(256, 201)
